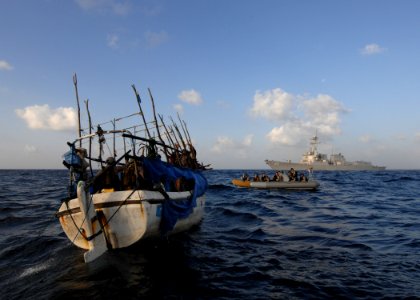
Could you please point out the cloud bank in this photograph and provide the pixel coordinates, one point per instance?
(297, 117)
(191, 97)
(225, 145)
(46, 118)
(273, 105)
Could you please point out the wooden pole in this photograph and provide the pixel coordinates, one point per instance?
(174, 135)
(157, 126)
(186, 129)
(179, 133)
(90, 138)
(183, 129)
(113, 139)
(79, 129)
(167, 132)
(141, 111)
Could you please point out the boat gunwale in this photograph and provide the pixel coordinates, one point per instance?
(109, 204)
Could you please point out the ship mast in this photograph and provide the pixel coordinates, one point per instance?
(314, 143)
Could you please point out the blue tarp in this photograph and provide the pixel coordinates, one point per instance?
(158, 172)
(71, 159)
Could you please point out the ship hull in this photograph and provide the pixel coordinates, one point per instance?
(279, 165)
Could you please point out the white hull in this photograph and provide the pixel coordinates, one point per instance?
(289, 185)
(126, 216)
(279, 165)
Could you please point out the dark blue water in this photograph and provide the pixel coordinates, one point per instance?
(357, 237)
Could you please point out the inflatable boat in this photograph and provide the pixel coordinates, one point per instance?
(291, 185)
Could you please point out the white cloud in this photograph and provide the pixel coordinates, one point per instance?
(323, 113)
(43, 117)
(298, 116)
(222, 143)
(5, 66)
(191, 97)
(372, 49)
(273, 104)
(226, 145)
(112, 41)
(289, 134)
(155, 39)
(417, 136)
(115, 6)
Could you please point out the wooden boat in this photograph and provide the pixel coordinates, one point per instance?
(141, 197)
(291, 185)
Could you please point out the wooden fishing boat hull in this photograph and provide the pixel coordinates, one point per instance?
(292, 185)
(126, 217)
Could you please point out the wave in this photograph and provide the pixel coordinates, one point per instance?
(37, 268)
(356, 237)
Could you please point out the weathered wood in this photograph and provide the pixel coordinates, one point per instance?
(90, 138)
(141, 110)
(79, 129)
(165, 150)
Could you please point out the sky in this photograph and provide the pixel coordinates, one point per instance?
(253, 80)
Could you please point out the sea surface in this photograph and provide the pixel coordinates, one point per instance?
(357, 237)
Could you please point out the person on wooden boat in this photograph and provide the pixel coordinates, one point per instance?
(109, 176)
(82, 169)
(133, 176)
(112, 180)
(128, 181)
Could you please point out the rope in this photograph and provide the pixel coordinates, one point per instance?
(75, 225)
(110, 218)
(118, 119)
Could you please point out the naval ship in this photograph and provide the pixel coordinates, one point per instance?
(314, 160)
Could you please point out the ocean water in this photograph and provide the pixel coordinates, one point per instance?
(357, 237)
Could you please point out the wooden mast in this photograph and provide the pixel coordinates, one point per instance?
(79, 129)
